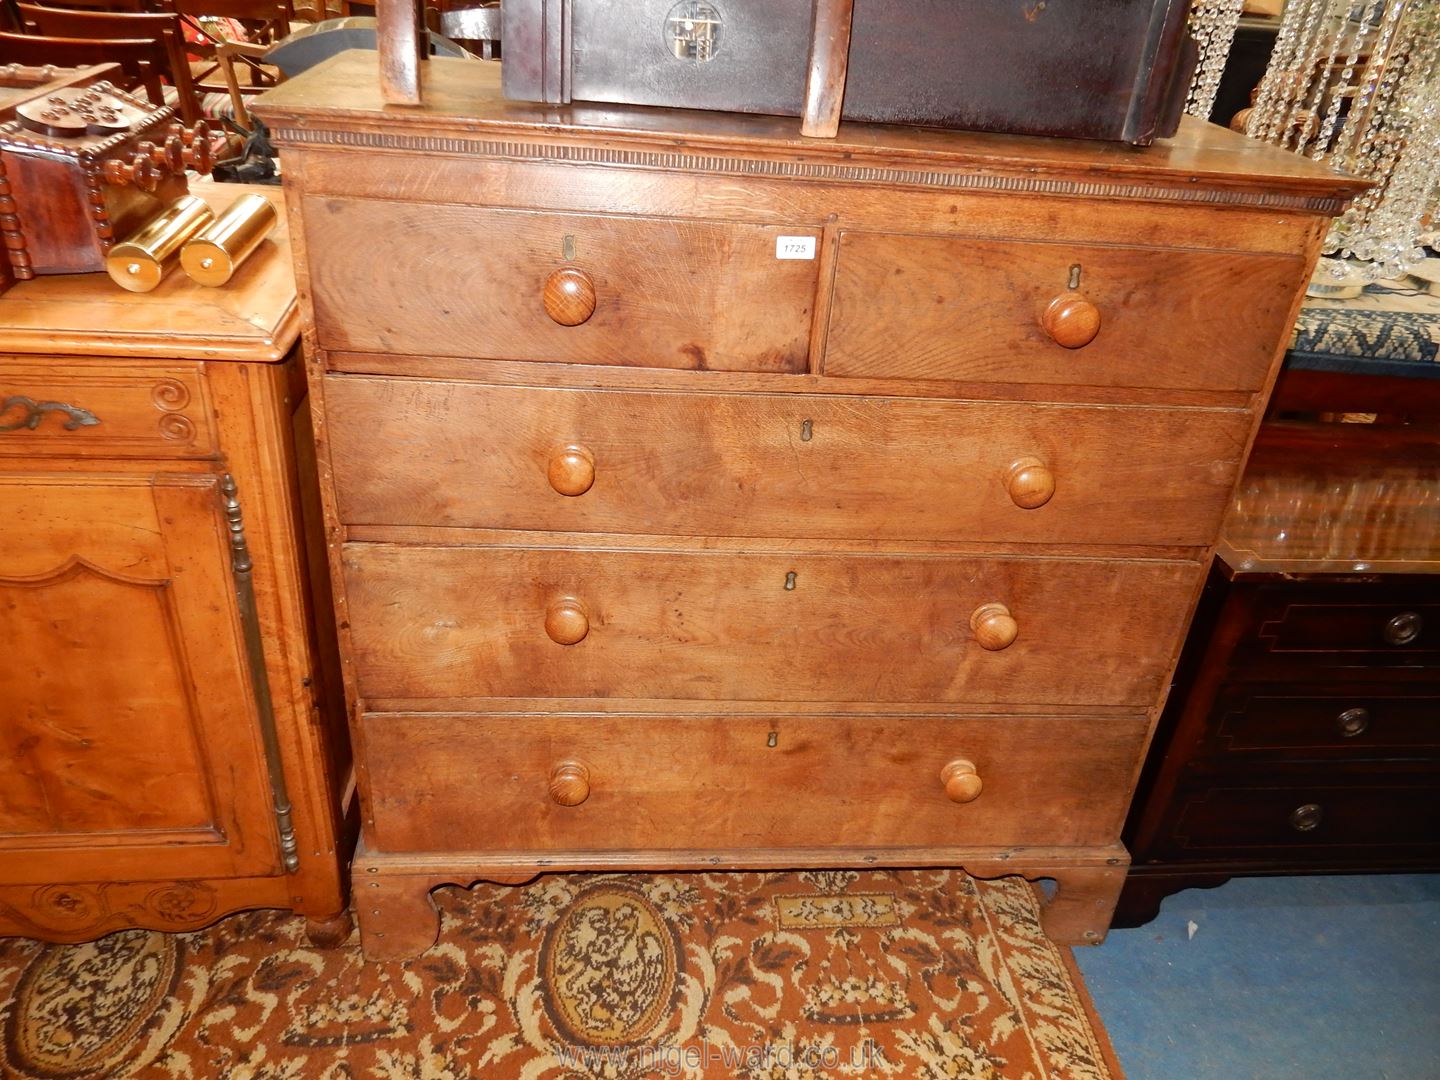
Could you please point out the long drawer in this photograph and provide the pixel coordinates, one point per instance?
(958, 308)
(1327, 818)
(524, 285)
(1395, 623)
(1327, 720)
(457, 622)
(414, 452)
(506, 783)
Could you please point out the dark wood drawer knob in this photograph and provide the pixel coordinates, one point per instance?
(1404, 628)
(1030, 483)
(1306, 818)
(569, 296)
(1071, 321)
(995, 628)
(962, 782)
(567, 622)
(570, 783)
(1353, 722)
(572, 471)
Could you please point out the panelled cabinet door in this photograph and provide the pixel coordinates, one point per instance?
(129, 744)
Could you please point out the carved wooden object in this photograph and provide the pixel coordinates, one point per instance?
(83, 166)
(808, 546)
(172, 745)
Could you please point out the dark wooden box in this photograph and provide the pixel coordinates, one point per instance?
(1093, 69)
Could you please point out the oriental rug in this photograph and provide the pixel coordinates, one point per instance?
(924, 974)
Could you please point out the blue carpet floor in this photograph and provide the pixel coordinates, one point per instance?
(1309, 978)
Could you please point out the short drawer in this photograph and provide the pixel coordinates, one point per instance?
(517, 783)
(466, 281)
(1355, 723)
(959, 308)
(429, 623)
(104, 408)
(412, 452)
(1321, 820)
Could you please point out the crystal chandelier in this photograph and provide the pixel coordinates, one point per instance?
(1212, 26)
(1356, 84)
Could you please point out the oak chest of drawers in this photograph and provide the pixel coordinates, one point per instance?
(703, 496)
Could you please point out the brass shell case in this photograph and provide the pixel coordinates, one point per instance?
(139, 263)
(212, 257)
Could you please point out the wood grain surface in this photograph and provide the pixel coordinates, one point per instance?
(102, 793)
(469, 281)
(464, 621)
(139, 409)
(449, 454)
(782, 781)
(933, 307)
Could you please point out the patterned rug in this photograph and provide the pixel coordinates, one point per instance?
(757, 976)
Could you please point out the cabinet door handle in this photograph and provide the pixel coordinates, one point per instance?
(569, 296)
(962, 781)
(995, 628)
(32, 412)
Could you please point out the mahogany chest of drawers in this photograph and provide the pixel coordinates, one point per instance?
(1303, 733)
(703, 496)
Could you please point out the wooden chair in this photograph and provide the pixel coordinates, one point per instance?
(162, 29)
(133, 7)
(265, 21)
(143, 60)
(268, 20)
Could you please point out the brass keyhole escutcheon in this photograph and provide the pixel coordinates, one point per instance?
(790, 581)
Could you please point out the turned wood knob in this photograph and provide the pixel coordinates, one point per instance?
(570, 783)
(569, 296)
(139, 171)
(572, 471)
(962, 782)
(995, 628)
(199, 154)
(1030, 483)
(566, 621)
(1071, 321)
(169, 155)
